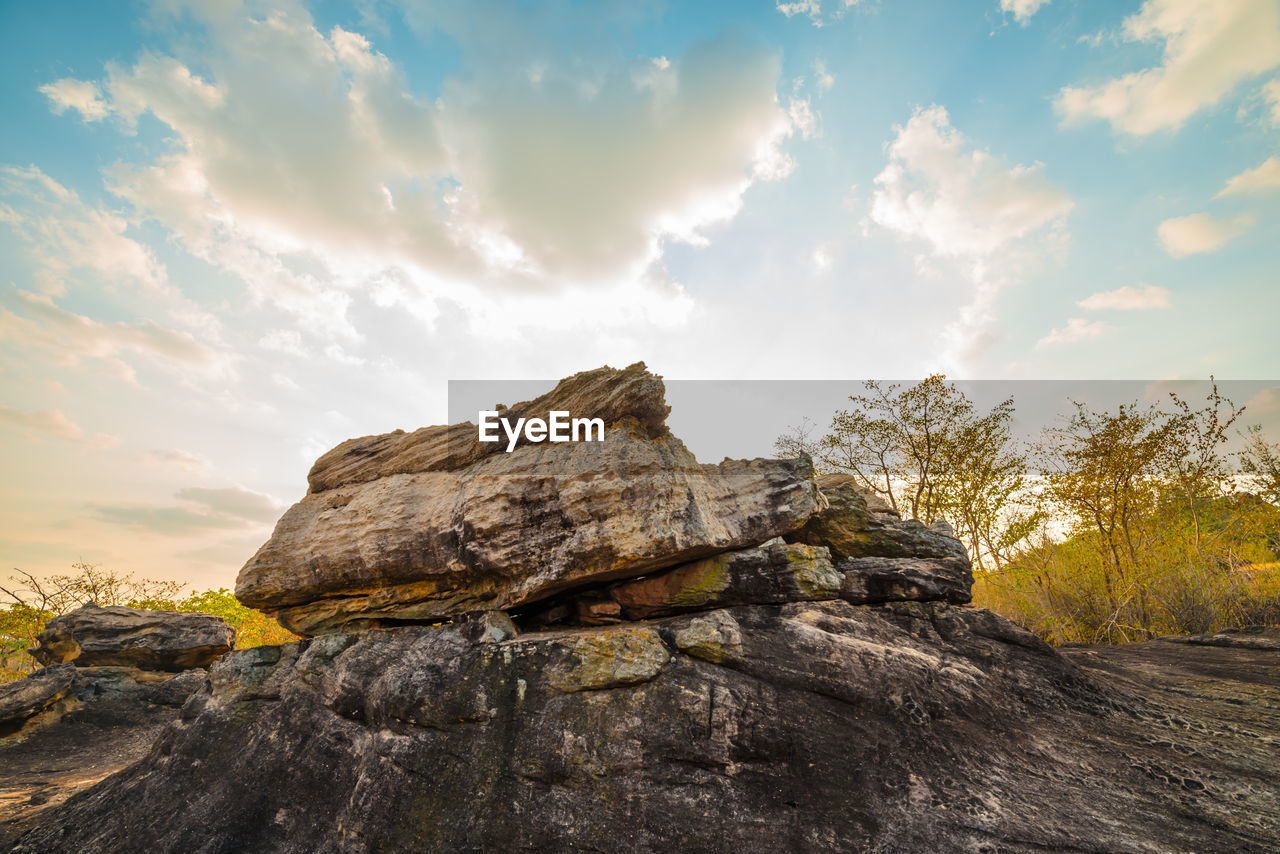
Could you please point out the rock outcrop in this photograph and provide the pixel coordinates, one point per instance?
(430, 525)
(613, 648)
(133, 637)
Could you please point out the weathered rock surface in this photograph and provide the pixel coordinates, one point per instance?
(106, 719)
(859, 524)
(631, 395)
(387, 541)
(770, 574)
(26, 697)
(805, 727)
(133, 637)
(904, 579)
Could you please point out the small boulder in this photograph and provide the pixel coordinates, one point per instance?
(769, 574)
(30, 696)
(870, 580)
(858, 523)
(133, 637)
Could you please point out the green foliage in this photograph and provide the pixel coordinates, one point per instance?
(32, 602)
(253, 628)
(1126, 524)
(932, 455)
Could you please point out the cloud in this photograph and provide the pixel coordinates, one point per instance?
(962, 200)
(66, 235)
(971, 208)
(69, 94)
(814, 9)
(1202, 232)
(1077, 329)
(1127, 298)
(1271, 94)
(1265, 402)
(50, 423)
(1022, 9)
(71, 337)
(1260, 179)
(179, 459)
(1209, 49)
(200, 510)
(306, 165)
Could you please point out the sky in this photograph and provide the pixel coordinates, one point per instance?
(233, 234)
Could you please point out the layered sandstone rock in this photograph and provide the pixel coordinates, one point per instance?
(859, 524)
(133, 637)
(406, 529)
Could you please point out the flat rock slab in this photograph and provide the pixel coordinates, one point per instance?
(859, 524)
(133, 637)
(869, 580)
(513, 528)
(631, 395)
(106, 721)
(26, 697)
(806, 727)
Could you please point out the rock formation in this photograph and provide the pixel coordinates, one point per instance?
(617, 649)
(114, 678)
(430, 524)
(133, 637)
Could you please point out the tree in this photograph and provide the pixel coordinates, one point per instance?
(32, 602)
(927, 451)
(1100, 469)
(1193, 466)
(1260, 464)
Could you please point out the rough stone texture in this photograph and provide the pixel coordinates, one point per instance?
(631, 395)
(518, 527)
(26, 697)
(107, 719)
(806, 727)
(1253, 637)
(770, 574)
(898, 579)
(133, 637)
(859, 524)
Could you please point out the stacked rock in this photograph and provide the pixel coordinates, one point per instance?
(433, 525)
(126, 647)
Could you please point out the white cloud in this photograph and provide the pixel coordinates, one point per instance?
(1202, 232)
(1271, 94)
(1210, 48)
(1022, 9)
(823, 79)
(1261, 179)
(1077, 329)
(814, 10)
(70, 337)
(66, 235)
(964, 201)
(304, 164)
(1127, 298)
(49, 423)
(972, 208)
(185, 461)
(69, 94)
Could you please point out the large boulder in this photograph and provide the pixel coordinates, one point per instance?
(803, 727)
(133, 637)
(431, 525)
